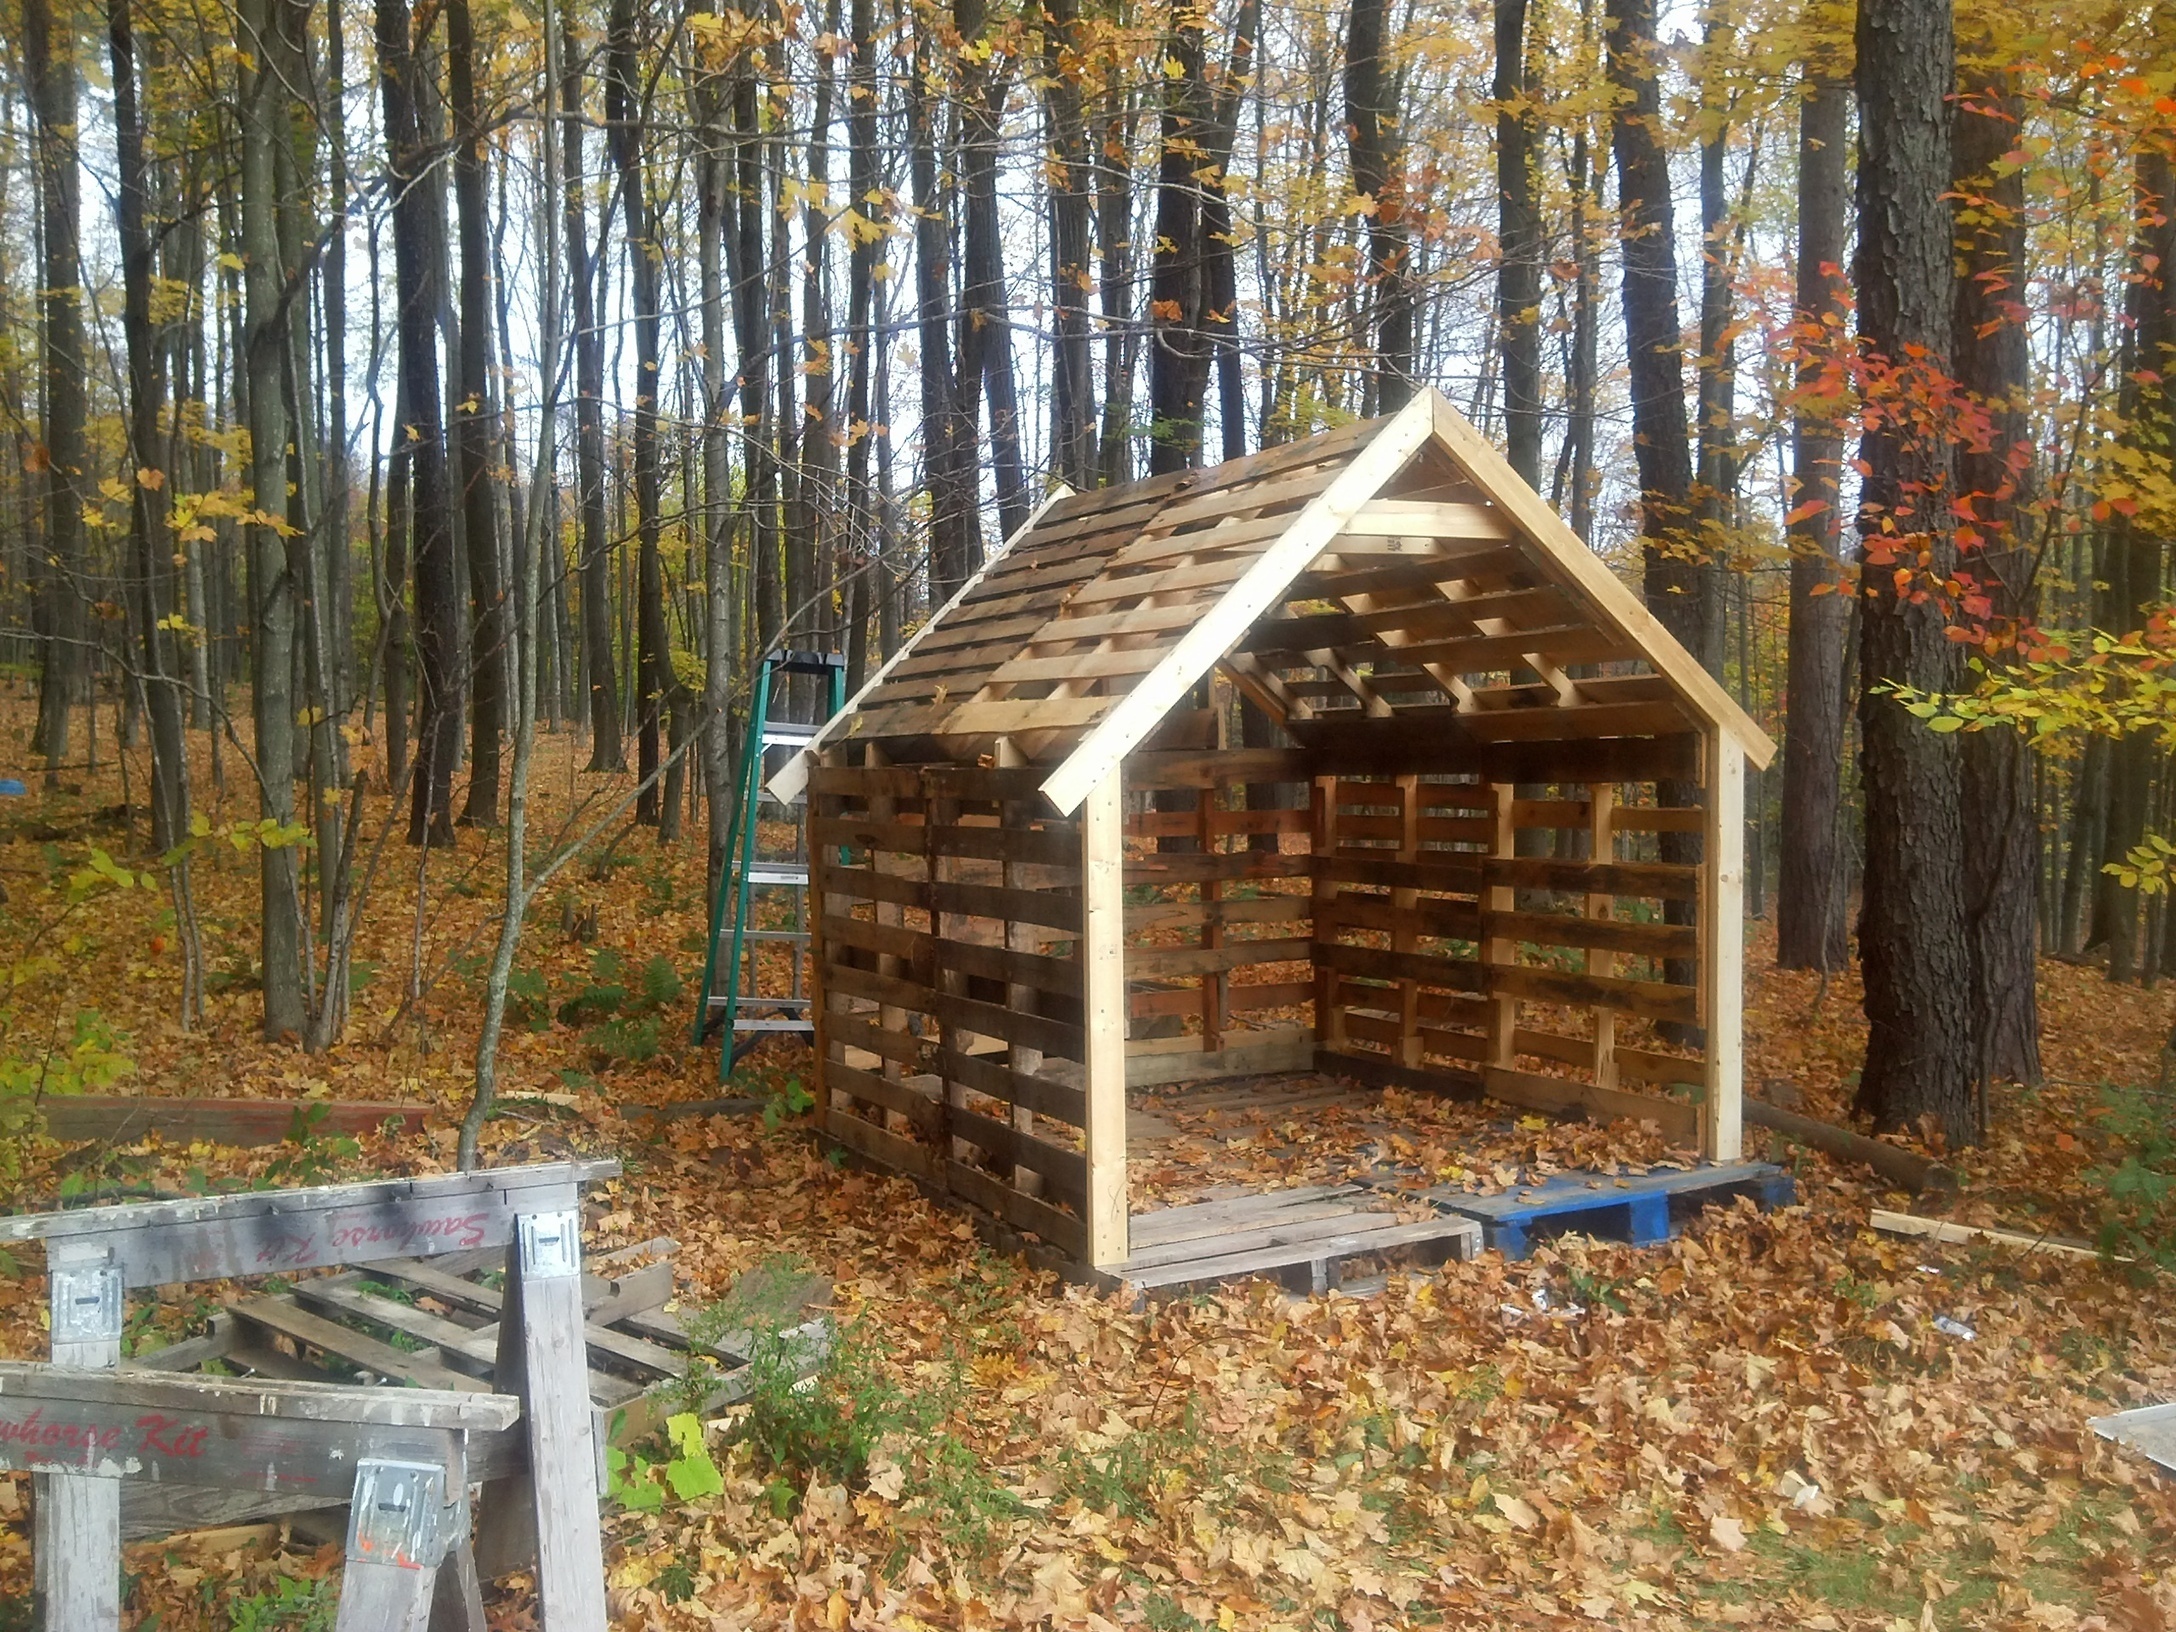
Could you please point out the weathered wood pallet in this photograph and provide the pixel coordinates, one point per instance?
(1633, 1208)
(1301, 1236)
(435, 1324)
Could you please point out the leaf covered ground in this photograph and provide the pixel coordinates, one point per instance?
(1757, 1424)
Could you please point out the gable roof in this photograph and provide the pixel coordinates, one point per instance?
(1400, 556)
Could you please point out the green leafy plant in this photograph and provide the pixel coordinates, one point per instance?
(786, 1099)
(640, 1482)
(2138, 1217)
(632, 1040)
(290, 1604)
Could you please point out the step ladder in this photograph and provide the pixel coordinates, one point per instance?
(732, 1003)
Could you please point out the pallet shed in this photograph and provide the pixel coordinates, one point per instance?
(1049, 870)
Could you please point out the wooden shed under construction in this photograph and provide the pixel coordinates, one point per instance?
(1049, 871)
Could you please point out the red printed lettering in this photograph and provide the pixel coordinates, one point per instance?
(163, 1436)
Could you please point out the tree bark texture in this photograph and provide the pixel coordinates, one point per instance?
(471, 421)
(1992, 364)
(49, 62)
(1378, 159)
(1917, 965)
(419, 295)
(1814, 888)
(1518, 245)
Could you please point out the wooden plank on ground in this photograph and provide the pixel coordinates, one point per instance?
(1942, 1229)
(125, 1118)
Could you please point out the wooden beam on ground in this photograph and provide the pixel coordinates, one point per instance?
(125, 1118)
(1941, 1229)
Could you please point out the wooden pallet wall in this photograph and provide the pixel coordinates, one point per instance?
(1219, 937)
(950, 1031)
(1444, 957)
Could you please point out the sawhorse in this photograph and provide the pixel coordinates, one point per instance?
(403, 1455)
(547, 1504)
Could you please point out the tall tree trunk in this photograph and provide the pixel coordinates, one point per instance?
(472, 418)
(266, 130)
(985, 365)
(1814, 887)
(819, 368)
(871, 582)
(1178, 365)
(605, 752)
(1073, 386)
(1186, 284)
(339, 475)
(151, 597)
(947, 443)
(1920, 1055)
(393, 591)
(418, 294)
(2134, 545)
(49, 62)
(1378, 157)
(1681, 585)
(713, 178)
(1518, 242)
(1992, 363)
(1114, 233)
(1218, 234)
(624, 119)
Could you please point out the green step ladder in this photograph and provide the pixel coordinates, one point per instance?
(732, 1004)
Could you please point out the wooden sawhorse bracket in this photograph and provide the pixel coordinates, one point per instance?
(404, 1456)
(547, 1505)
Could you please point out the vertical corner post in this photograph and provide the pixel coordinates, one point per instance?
(1103, 953)
(1499, 951)
(1722, 962)
(1322, 926)
(1602, 851)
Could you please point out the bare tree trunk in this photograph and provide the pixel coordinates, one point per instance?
(272, 575)
(605, 752)
(1993, 365)
(415, 277)
(1815, 883)
(1920, 1054)
(624, 119)
(1114, 230)
(49, 62)
(151, 597)
(947, 443)
(1178, 369)
(1681, 586)
(2134, 546)
(1073, 386)
(1518, 240)
(1378, 158)
(473, 416)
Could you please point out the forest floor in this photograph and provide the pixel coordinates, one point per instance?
(1598, 1436)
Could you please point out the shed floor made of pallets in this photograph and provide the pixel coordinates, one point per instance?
(1312, 1233)
(1342, 1176)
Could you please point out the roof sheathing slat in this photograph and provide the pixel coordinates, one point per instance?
(1064, 608)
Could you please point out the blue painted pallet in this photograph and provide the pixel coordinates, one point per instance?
(1634, 1208)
